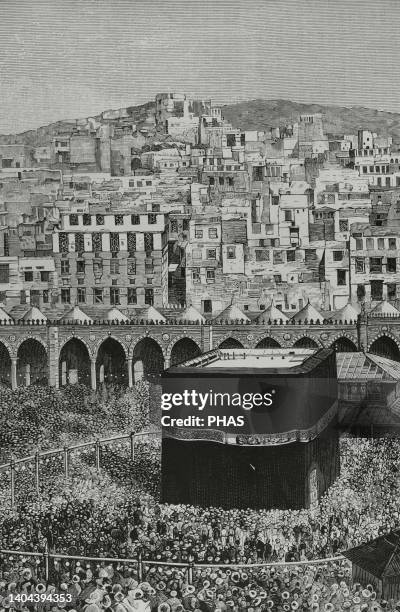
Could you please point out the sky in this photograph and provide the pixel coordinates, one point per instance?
(64, 59)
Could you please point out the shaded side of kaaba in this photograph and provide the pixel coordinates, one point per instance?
(231, 476)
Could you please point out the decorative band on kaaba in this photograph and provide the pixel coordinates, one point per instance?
(222, 437)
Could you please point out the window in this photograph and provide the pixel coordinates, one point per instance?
(65, 296)
(87, 219)
(80, 266)
(231, 252)
(197, 254)
(381, 243)
(392, 244)
(359, 244)
(148, 184)
(359, 265)
(44, 276)
(114, 266)
(148, 266)
(185, 225)
(341, 277)
(81, 294)
(132, 295)
(207, 306)
(360, 292)
(6, 163)
(135, 219)
(96, 242)
(230, 182)
(288, 215)
(22, 296)
(152, 219)
(119, 219)
(98, 296)
(45, 296)
(114, 242)
(290, 256)
(210, 276)
(337, 255)
(375, 264)
(376, 290)
(391, 291)
(79, 243)
(379, 181)
(97, 267)
(131, 243)
(196, 275)
(174, 226)
(64, 266)
(365, 169)
(63, 242)
(343, 225)
(221, 180)
(198, 233)
(148, 242)
(99, 219)
(211, 254)
(211, 180)
(114, 296)
(212, 232)
(4, 273)
(132, 266)
(391, 264)
(262, 255)
(149, 281)
(149, 296)
(370, 244)
(28, 276)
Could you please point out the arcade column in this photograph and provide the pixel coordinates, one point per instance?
(130, 373)
(14, 384)
(93, 382)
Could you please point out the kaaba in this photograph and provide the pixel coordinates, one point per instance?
(250, 428)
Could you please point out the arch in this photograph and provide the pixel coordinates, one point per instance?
(267, 342)
(230, 343)
(5, 365)
(385, 346)
(82, 340)
(147, 359)
(306, 342)
(183, 349)
(111, 363)
(32, 364)
(74, 362)
(110, 337)
(344, 344)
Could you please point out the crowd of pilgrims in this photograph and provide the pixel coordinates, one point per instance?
(128, 521)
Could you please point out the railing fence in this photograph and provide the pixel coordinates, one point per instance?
(66, 453)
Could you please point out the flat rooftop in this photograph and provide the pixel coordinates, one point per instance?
(269, 361)
(257, 358)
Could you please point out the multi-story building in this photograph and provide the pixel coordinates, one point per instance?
(115, 257)
(374, 263)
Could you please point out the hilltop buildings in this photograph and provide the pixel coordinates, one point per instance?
(170, 204)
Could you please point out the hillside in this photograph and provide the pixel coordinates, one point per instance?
(252, 115)
(264, 114)
(44, 134)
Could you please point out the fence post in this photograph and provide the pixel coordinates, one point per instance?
(12, 478)
(97, 452)
(190, 572)
(37, 471)
(66, 462)
(140, 567)
(46, 561)
(132, 438)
